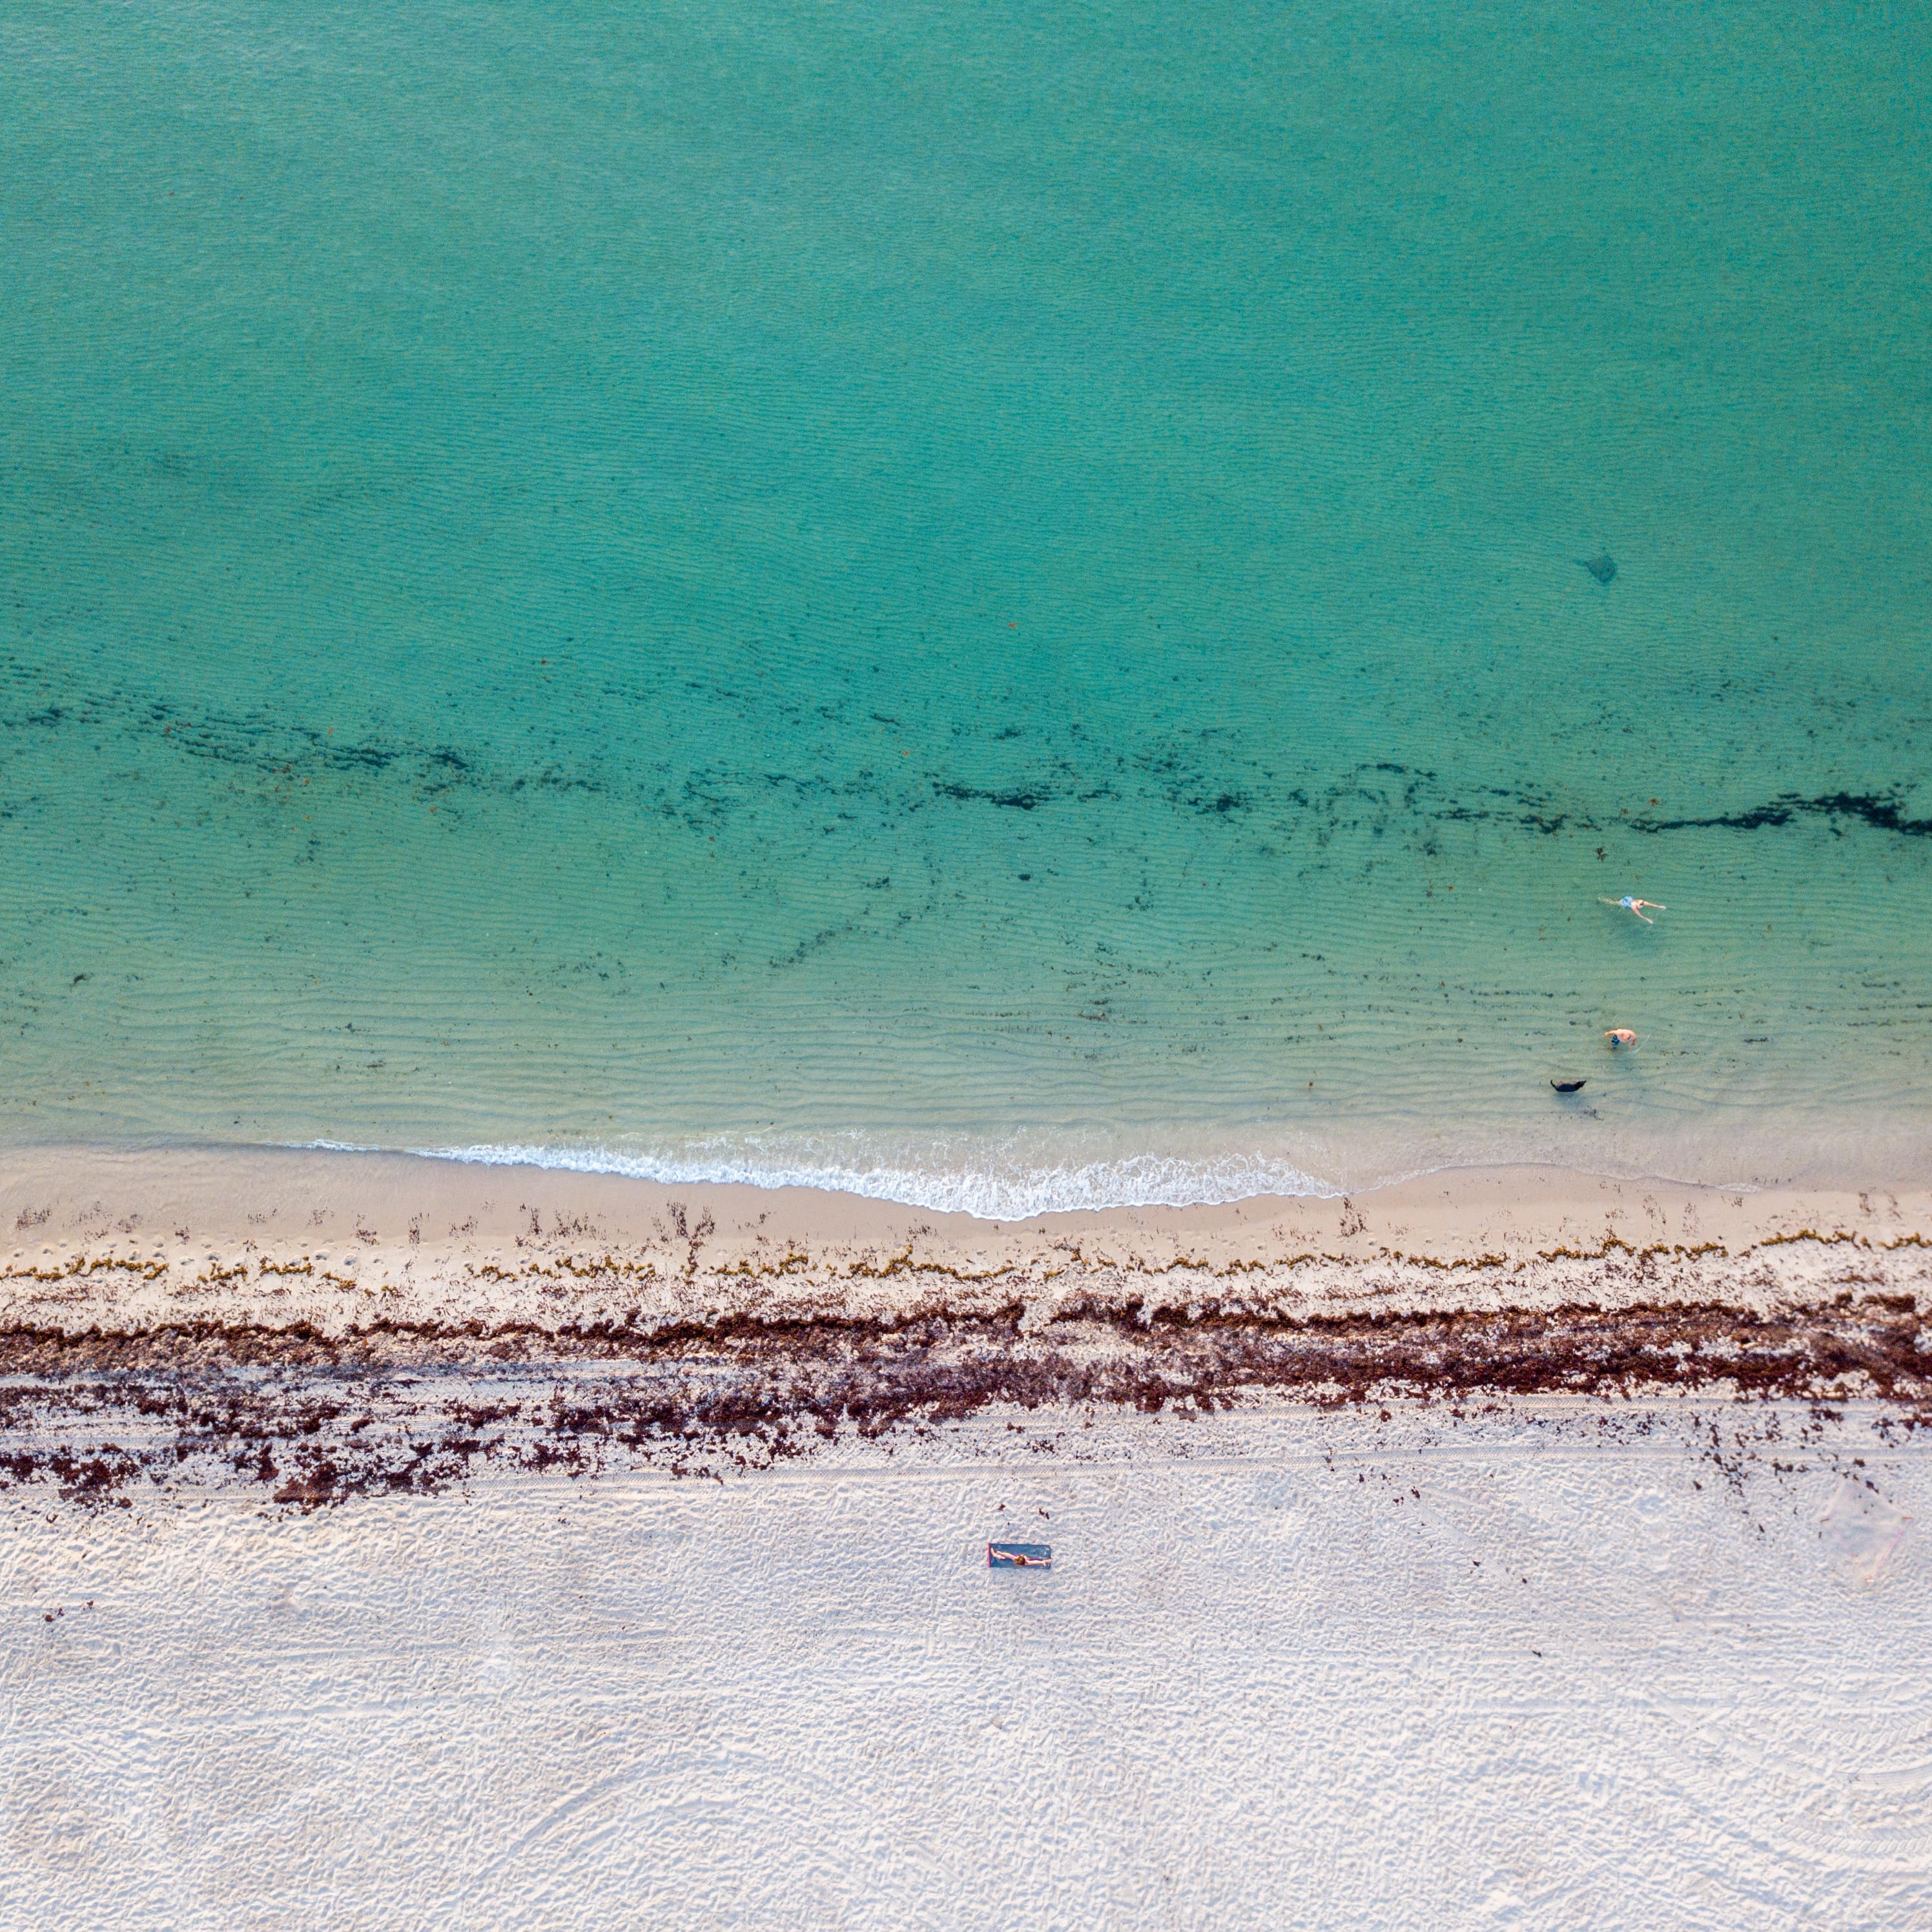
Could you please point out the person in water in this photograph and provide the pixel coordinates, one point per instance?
(1638, 906)
(1620, 1036)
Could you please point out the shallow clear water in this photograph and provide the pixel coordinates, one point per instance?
(984, 605)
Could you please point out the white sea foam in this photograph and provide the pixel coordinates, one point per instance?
(993, 1184)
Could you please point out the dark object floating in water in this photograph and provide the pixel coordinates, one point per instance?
(1603, 566)
(1019, 1556)
(1569, 1086)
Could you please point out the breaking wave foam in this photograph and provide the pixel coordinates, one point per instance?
(1004, 1187)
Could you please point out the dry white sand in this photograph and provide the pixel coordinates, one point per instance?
(1289, 1669)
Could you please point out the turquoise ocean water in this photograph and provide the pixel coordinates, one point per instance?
(986, 605)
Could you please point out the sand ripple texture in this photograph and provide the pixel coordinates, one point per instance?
(1528, 1670)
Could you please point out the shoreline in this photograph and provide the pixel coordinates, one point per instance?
(330, 1239)
(313, 1327)
(1108, 1186)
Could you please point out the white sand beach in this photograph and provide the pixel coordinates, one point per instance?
(1668, 1667)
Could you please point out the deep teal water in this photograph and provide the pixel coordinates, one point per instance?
(984, 604)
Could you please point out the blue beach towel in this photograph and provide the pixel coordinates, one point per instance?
(1019, 1556)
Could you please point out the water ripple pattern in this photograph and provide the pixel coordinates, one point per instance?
(1006, 608)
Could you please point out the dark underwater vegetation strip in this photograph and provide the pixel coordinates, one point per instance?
(1882, 811)
(1019, 801)
(702, 798)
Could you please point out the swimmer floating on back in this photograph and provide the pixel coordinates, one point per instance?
(1620, 1036)
(1637, 906)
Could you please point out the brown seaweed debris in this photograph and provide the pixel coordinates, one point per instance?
(401, 1408)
